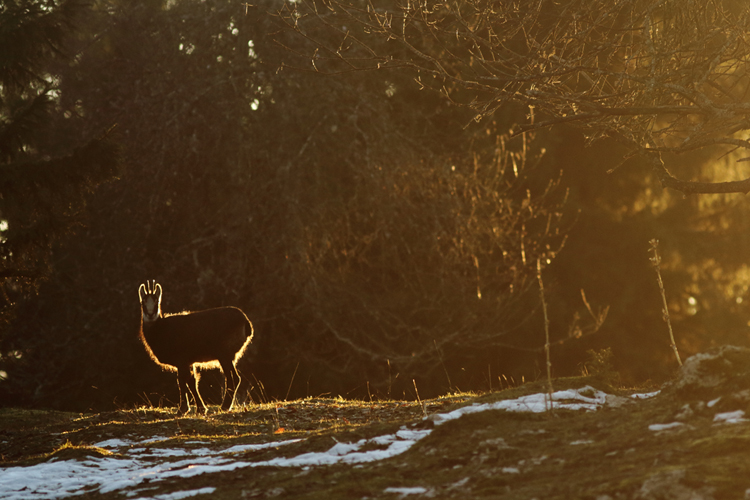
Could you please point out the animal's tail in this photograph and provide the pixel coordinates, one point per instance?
(249, 332)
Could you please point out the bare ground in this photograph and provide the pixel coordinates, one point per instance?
(620, 451)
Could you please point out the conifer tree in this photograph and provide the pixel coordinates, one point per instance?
(44, 176)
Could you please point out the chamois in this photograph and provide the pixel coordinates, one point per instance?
(184, 341)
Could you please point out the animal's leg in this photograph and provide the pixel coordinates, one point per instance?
(184, 374)
(231, 382)
(239, 384)
(193, 381)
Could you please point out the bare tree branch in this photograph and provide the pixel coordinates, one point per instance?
(661, 76)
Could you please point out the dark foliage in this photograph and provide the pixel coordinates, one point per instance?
(44, 181)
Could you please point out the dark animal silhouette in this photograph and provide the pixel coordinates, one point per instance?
(186, 341)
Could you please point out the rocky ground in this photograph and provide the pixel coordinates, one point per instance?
(688, 441)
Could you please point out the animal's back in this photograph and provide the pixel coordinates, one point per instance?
(198, 337)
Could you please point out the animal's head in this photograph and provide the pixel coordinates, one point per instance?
(150, 295)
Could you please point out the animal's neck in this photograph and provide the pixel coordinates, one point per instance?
(147, 323)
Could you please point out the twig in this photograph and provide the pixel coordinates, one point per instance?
(440, 357)
(286, 398)
(655, 261)
(546, 330)
(421, 404)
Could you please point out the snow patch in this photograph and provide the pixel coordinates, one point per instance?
(731, 417)
(417, 490)
(586, 398)
(241, 448)
(664, 427)
(582, 441)
(349, 452)
(181, 494)
(113, 443)
(645, 395)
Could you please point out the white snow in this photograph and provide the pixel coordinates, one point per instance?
(586, 398)
(241, 448)
(581, 441)
(349, 452)
(60, 479)
(52, 480)
(134, 448)
(113, 443)
(645, 395)
(180, 494)
(417, 490)
(664, 427)
(730, 417)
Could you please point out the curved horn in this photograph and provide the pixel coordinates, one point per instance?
(157, 290)
(141, 290)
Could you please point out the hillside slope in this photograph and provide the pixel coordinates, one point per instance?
(690, 440)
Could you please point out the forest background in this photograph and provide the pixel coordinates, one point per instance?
(381, 236)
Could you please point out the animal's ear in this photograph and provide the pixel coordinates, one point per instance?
(157, 290)
(141, 291)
